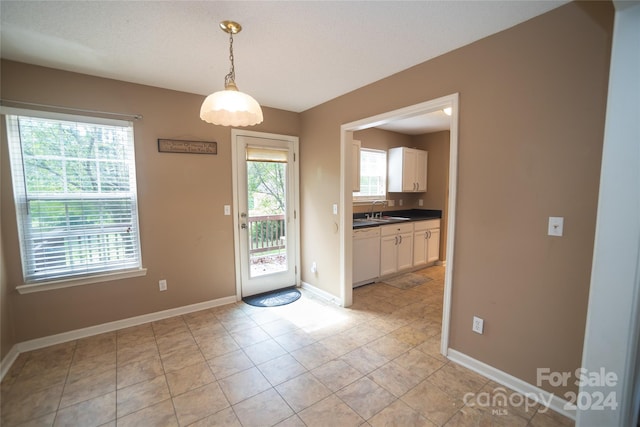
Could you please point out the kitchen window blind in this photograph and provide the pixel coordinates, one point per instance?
(75, 193)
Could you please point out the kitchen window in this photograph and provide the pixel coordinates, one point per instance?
(74, 184)
(373, 175)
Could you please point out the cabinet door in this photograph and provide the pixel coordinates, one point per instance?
(388, 255)
(405, 251)
(421, 171)
(355, 165)
(409, 163)
(433, 245)
(420, 247)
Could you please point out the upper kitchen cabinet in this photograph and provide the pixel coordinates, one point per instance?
(407, 170)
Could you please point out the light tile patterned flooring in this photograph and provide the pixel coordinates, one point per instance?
(306, 364)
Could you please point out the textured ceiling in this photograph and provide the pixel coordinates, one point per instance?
(291, 55)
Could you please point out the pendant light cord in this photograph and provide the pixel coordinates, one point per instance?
(231, 77)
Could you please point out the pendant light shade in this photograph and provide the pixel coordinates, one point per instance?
(230, 107)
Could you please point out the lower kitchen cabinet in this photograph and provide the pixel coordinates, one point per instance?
(396, 248)
(426, 242)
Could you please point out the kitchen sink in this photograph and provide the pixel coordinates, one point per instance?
(381, 220)
(393, 218)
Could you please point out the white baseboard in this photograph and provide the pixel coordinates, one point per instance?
(507, 380)
(7, 362)
(37, 343)
(320, 293)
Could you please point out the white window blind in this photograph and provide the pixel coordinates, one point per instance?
(373, 175)
(75, 193)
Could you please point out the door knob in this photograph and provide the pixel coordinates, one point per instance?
(243, 226)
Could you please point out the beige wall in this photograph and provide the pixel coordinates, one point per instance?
(532, 103)
(186, 239)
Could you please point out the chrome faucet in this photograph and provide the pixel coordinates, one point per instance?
(377, 202)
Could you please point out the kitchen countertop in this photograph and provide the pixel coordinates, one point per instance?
(411, 214)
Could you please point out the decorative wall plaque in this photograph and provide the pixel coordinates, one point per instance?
(191, 147)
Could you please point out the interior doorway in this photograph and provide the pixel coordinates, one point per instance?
(265, 199)
(346, 200)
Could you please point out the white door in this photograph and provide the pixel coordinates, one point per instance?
(266, 203)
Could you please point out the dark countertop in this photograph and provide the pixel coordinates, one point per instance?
(412, 214)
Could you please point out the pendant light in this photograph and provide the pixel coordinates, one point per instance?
(230, 107)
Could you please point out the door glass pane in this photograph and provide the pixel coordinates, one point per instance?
(266, 197)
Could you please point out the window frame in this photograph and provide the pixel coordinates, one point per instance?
(371, 198)
(75, 276)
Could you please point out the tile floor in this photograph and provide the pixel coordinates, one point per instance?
(306, 364)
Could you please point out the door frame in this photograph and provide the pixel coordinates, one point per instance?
(346, 198)
(235, 133)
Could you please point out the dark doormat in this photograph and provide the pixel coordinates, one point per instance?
(274, 298)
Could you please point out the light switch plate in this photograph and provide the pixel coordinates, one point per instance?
(556, 225)
(227, 210)
(335, 209)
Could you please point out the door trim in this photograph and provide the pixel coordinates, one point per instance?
(346, 199)
(235, 133)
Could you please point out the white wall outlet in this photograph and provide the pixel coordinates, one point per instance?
(556, 225)
(227, 210)
(478, 325)
(162, 284)
(314, 267)
(400, 202)
(420, 202)
(391, 203)
(335, 209)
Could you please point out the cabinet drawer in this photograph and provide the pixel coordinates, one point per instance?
(387, 230)
(426, 225)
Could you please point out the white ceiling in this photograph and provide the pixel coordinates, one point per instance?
(291, 55)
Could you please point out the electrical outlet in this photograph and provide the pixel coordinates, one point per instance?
(556, 224)
(478, 325)
(314, 267)
(420, 202)
(391, 203)
(400, 202)
(162, 284)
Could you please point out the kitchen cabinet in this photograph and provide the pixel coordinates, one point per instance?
(426, 242)
(407, 170)
(355, 165)
(396, 248)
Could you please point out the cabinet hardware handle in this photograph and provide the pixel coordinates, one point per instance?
(400, 240)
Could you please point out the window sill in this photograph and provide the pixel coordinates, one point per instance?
(59, 284)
